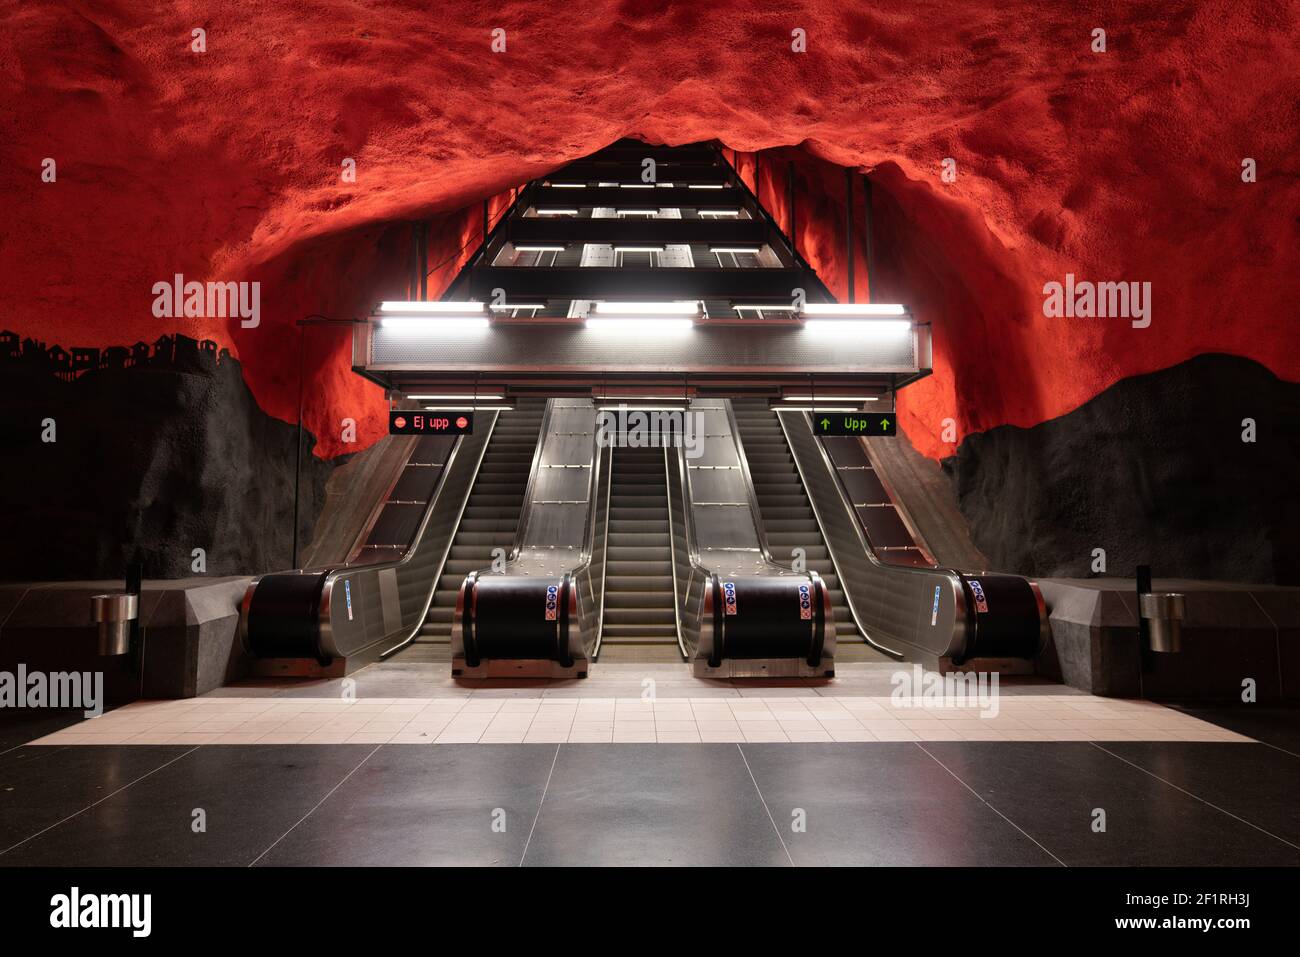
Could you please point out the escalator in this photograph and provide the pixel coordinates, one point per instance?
(788, 517)
(453, 493)
(640, 621)
(489, 522)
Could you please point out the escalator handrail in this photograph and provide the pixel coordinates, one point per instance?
(526, 505)
(751, 493)
(672, 552)
(868, 550)
(434, 501)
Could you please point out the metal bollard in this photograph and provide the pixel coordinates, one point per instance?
(1163, 613)
(114, 614)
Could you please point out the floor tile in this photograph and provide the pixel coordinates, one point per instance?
(880, 804)
(250, 796)
(409, 806)
(651, 805)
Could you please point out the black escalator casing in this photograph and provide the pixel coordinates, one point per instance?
(1008, 613)
(509, 618)
(282, 616)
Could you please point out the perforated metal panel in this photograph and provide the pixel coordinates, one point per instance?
(781, 349)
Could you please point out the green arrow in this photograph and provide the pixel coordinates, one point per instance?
(825, 423)
(884, 423)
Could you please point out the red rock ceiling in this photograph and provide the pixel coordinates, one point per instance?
(225, 164)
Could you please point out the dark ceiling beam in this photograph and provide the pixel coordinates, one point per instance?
(550, 229)
(522, 284)
(727, 198)
(630, 172)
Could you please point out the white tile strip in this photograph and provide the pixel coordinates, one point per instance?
(481, 719)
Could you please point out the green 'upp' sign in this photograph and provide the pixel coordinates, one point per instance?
(855, 423)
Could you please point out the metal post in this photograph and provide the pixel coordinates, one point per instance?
(848, 230)
(422, 259)
(866, 239)
(789, 188)
(297, 452)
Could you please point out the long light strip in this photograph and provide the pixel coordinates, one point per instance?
(467, 397)
(707, 186)
(687, 307)
(832, 398)
(638, 249)
(532, 248)
(718, 212)
(567, 185)
(854, 309)
(769, 307)
(557, 212)
(471, 408)
(739, 250)
(506, 306)
(424, 308)
(819, 408)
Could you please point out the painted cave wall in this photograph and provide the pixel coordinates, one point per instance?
(225, 164)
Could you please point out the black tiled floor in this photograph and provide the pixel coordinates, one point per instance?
(1255, 782)
(1050, 790)
(721, 804)
(251, 795)
(412, 805)
(881, 804)
(40, 786)
(1279, 727)
(615, 804)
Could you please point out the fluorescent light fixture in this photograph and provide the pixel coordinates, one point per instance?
(636, 185)
(567, 185)
(414, 325)
(425, 308)
(645, 325)
(637, 212)
(868, 328)
(505, 306)
(665, 406)
(638, 249)
(689, 307)
(457, 398)
(739, 250)
(476, 408)
(535, 248)
(557, 212)
(818, 408)
(707, 186)
(831, 398)
(770, 307)
(854, 309)
(719, 212)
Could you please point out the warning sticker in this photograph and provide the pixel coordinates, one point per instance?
(552, 601)
(976, 589)
(729, 597)
(805, 602)
(934, 611)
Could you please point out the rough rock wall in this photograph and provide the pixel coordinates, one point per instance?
(1153, 471)
(147, 463)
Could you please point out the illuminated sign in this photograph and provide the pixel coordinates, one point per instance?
(408, 422)
(855, 423)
